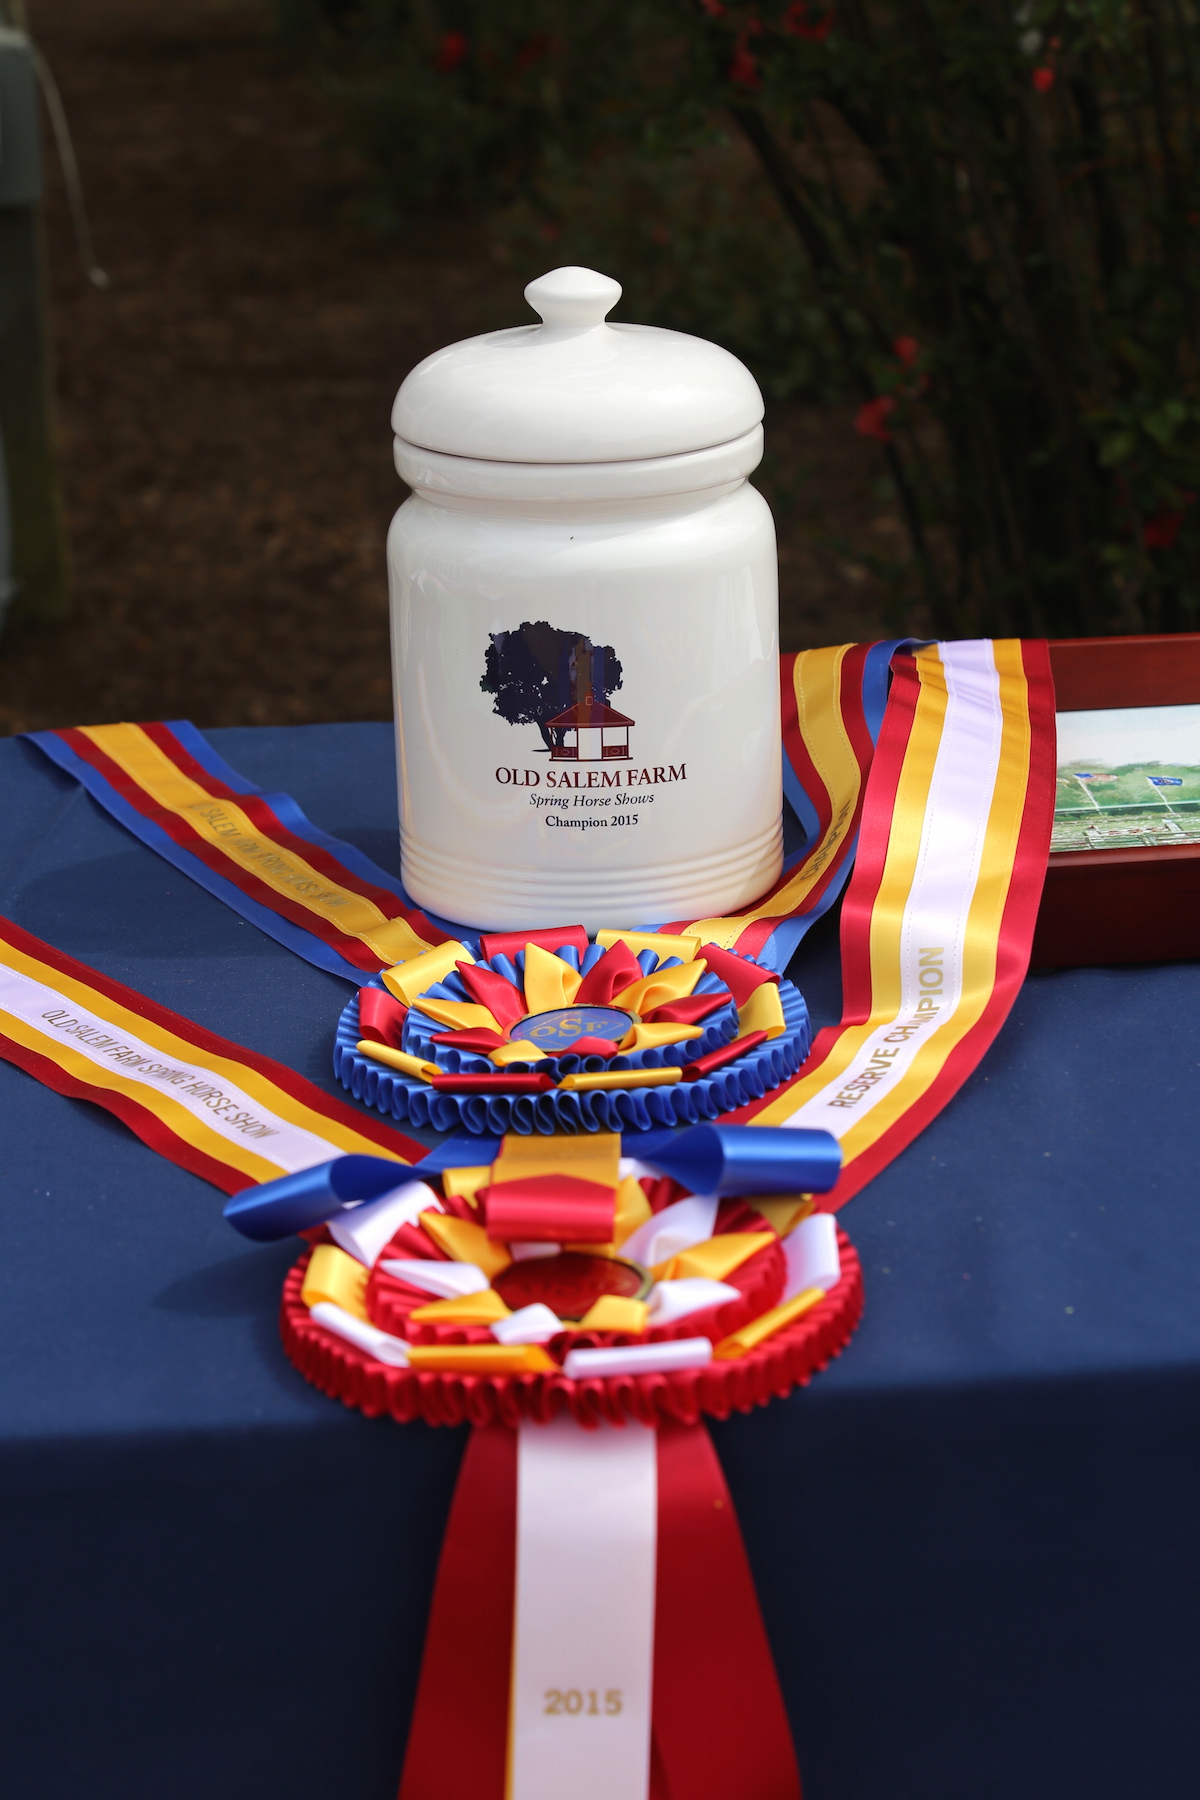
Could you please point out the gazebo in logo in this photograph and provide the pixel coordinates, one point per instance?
(590, 731)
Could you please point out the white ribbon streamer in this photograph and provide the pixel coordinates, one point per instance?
(936, 910)
(583, 1650)
(211, 1097)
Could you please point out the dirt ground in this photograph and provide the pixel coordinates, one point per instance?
(223, 405)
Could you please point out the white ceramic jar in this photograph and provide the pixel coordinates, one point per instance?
(584, 625)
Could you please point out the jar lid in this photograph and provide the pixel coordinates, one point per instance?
(576, 389)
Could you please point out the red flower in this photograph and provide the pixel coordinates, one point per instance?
(743, 69)
(713, 8)
(907, 349)
(452, 49)
(1043, 80)
(871, 419)
(797, 21)
(1160, 532)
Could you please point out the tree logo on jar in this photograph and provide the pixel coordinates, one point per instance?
(559, 681)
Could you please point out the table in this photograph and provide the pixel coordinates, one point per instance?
(974, 1535)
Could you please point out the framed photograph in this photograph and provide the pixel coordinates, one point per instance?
(1123, 883)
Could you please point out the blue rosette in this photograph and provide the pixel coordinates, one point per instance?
(414, 1102)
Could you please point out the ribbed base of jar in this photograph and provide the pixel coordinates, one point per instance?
(499, 898)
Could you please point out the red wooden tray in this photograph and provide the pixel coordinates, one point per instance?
(1122, 906)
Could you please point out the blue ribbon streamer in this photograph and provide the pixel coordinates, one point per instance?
(293, 937)
(709, 1159)
(800, 822)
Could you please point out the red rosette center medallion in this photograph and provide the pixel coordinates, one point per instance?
(570, 1283)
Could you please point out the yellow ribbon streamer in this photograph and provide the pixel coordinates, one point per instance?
(187, 1070)
(888, 920)
(223, 824)
(816, 677)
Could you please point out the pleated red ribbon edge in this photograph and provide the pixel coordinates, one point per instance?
(720, 1730)
(770, 1371)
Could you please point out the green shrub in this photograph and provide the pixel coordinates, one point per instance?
(980, 223)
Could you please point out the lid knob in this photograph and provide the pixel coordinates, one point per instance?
(573, 297)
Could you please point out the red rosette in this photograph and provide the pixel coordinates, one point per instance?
(785, 1361)
(390, 1303)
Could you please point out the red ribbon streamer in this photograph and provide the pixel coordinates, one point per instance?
(720, 1731)
(458, 1744)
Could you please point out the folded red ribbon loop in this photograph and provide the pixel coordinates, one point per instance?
(381, 1017)
(552, 938)
(616, 970)
(560, 1209)
(740, 977)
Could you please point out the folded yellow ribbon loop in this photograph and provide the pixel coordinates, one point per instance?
(482, 1359)
(464, 1184)
(465, 1242)
(612, 1312)
(413, 977)
(333, 1275)
(618, 1078)
(483, 1308)
(660, 988)
(456, 1015)
(397, 1059)
(763, 1011)
(593, 1156)
(633, 1209)
(783, 1211)
(548, 981)
(738, 1343)
(716, 1257)
(519, 1051)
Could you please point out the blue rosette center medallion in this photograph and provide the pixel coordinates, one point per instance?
(559, 1030)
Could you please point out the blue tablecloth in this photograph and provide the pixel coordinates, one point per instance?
(974, 1535)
